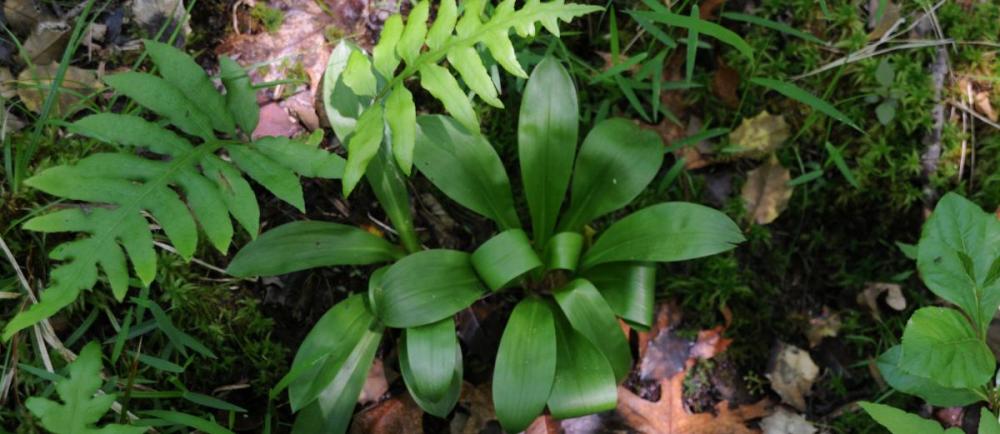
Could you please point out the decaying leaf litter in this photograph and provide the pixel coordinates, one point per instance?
(297, 52)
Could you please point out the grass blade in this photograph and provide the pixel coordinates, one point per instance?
(773, 25)
(801, 95)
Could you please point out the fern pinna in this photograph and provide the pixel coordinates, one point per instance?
(454, 35)
(183, 180)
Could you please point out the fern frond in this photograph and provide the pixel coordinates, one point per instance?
(182, 185)
(454, 36)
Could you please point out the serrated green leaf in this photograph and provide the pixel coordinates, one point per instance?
(180, 70)
(384, 54)
(940, 343)
(414, 33)
(926, 388)
(900, 422)
(442, 407)
(401, 115)
(502, 50)
(426, 287)
(444, 24)
(362, 146)
(547, 132)
(584, 382)
(358, 74)
(430, 353)
(276, 178)
(439, 82)
(591, 316)
(164, 99)
(466, 168)
(667, 232)
(801, 95)
(525, 366)
(241, 97)
(616, 162)
(302, 158)
(303, 245)
(81, 408)
(466, 61)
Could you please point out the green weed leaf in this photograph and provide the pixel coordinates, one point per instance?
(525, 366)
(801, 95)
(926, 388)
(430, 353)
(441, 407)
(939, 343)
(181, 71)
(584, 382)
(900, 422)
(426, 287)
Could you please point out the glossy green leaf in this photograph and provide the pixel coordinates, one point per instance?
(546, 142)
(180, 70)
(164, 99)
(466, 61)
(959, 257)
(362, 147)
(384, 54)
(277, 179)
(443, 406)
(616, 162)
(465, 168)
(430, 353)
(310, 244)
(701, 26)
(414, 33)
(358, 74)
(426, 287)
(525, 366)
(591, 316)
(389, 186)
(900, 422)
(563, 251)
(184, 419)
(401, 116)
(241, 97)
(773, 25)
(304, 159)
(504, 258)
(988, 423)
(940, 343)
(444, 24)
(584, 382)
(801, 95)
(342, 106)
(926, 388)
(629, 288)
(442, 85)
(667, 232)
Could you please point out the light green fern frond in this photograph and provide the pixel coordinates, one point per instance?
(180, 184)
(454, 35)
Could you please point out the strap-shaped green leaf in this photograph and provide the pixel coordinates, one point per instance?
(504, 258)
(584, 382)
(303, 245)
(384, 54)
(441, 407)
(164, 99)
(276, 178)
(426, 287)
(466, 61)
(563, 251)
(959, 257)
(694, 23)
(591, 316)
(362, 146)
(546, 142)
(430, 351)
(414, 33)
(939, 343)
(342, 106)
(303, 158)
(401, 115)
(241, 97)
(440, 83)
(444, 24)
(629, 288)
(935, 394)
(180, 70)
(358, 74)
(616, 162)
(389, 186)
(466, 168)
(801, 95)
(525, 366)
(667, 232)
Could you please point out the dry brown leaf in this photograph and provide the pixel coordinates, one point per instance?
(375, 385)
(983, 105)
(392, 416)
(478, 401)
(275, 121)
(758, 135)
(23, 15)
(726, 85)
(8, 88)
(543, 424)
(47, 42)
(889, 17)
(710, 343)
(33, 86)
(792, 374)
(783, 421)
(669, 415)
(766, 192)
(826, 325)
(873, 290)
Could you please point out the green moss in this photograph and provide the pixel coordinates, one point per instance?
(269, 17)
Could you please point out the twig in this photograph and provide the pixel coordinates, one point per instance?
(974, 113)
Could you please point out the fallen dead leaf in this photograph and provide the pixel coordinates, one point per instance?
(890, 15)
(783, 421)
(543, 424)
(726, 85)
(983, 105)
(151, 15)
(758, 135)
(766, 192)
(477, 401)
(873, 290)
(710, 343)
(395, 415)
(792, 374)
(33, 86)
(375, 385)
(826, 325)
(23, 15)
(8, 87)
(275, 121)
(47, 42)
